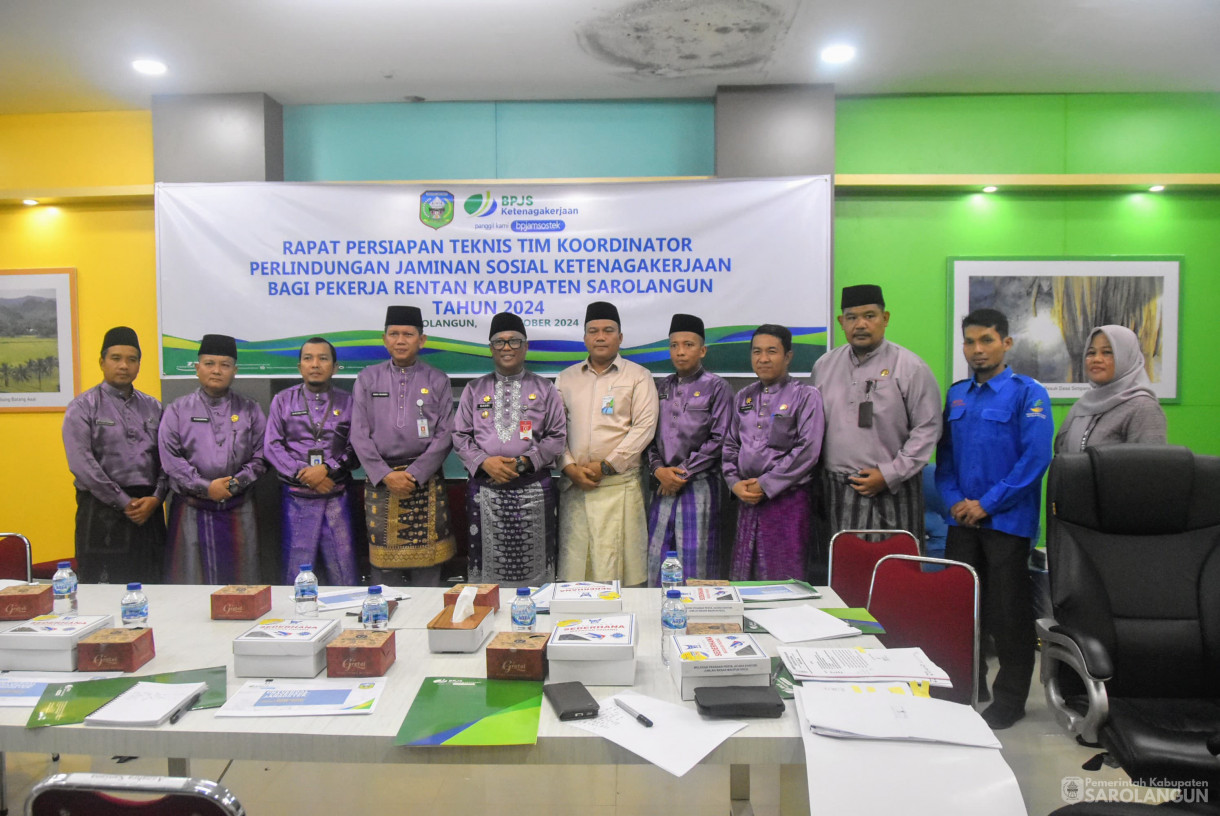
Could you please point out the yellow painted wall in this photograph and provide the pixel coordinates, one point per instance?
(111, 246)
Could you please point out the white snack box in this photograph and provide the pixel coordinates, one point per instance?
(712, 604)
(275, 647)
(718, 660)
(461, 640)
(597, 652)
(47, 642)
(586, 598)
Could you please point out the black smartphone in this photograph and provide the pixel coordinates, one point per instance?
(571, 701)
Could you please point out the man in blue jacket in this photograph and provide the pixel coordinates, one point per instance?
(995, 447)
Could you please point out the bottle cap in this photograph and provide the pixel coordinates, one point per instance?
(375, 590)
(523, 591)
(64, 565)
(671, 553)
(307, 568)
(673, 593)
(136, 587)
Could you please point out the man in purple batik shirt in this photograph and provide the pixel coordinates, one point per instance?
(769, 456)
(211, 443)
(509, 430)
(308, 444)
(684, 457)
(110, 437)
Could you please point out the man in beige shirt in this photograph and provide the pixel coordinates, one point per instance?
(612, 414)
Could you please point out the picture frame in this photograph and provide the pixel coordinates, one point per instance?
(39, 363)
(1052, 303)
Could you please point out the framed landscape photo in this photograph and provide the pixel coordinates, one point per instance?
(1051, 305)
(39, 368)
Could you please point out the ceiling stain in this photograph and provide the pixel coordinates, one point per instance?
(673, 38)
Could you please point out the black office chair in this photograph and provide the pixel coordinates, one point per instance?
(1131, 658)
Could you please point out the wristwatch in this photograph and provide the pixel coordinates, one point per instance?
(232, 485)
(523, 464)
(607, 470)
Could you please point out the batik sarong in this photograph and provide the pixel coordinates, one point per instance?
(409, 532)
(603, 533)
(212, 542)
(845, 509)
(513, 530)
(318, 530)
(773, 537)
(689, 523)
(111, 549)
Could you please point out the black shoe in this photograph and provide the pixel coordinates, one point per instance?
(984, 693)
(999, 716)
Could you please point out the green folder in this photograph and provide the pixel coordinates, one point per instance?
(70, 703)
(473, 711)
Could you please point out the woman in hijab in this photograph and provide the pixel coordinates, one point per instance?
(1120, 405)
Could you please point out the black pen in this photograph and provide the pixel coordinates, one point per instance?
(644, 721)
(177, 715)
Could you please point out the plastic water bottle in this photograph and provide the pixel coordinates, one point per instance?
(673, 622)
(375, 612)
(305, 592)
(524, 612)
(671, 571)
(63, 586)
(134, 607)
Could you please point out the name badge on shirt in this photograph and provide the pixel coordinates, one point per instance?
(199, 419)
(421, 427)
(527, 430)
(381, 393)
(608, 404)
(300, 413)
(664, 395)
(106, 422)
(315, 457)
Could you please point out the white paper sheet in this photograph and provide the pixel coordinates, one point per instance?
(354, 598)
(875, 665)
(542, 597)
(800, 622)
(679, 736)
(835, 711)
(304, 698)
(21, 689)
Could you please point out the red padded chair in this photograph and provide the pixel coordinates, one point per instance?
(90, 794)
(852, 558)
(936, 611)
(15, 557)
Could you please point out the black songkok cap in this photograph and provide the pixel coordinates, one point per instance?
(601, 310)
(506, 321)
(862, 295)
(404, 316)
(120, 336)
(221, 344)
(686, 323)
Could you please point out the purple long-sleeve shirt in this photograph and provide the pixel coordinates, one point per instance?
(301, 420)
(204, 438)
(775, 436)
(692, 422)
(110, 438)
(490, 416)
(388, 404)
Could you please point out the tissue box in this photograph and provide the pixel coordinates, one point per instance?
(25, 602)
(707, 582)
(700, 628)
(360, 653)
(718, 660)
(712, 604)
(597, 652)
(517, 656)
(586, 598)
(465, 636)
(485, 595)
(47, 642)
(240, 602)
(283, 648)
(122, 650)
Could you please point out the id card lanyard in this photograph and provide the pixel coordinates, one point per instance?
(316, 429)
(865, 418)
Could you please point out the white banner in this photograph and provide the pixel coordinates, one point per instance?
(274, 264)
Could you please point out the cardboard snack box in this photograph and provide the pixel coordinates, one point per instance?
(25, 602)
(517, 656)
(704, 628)
(360, 653)
(122, 650)
(241, 602)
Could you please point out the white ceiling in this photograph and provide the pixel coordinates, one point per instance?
(75, 55)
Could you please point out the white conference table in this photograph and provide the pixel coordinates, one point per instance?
(186, 638)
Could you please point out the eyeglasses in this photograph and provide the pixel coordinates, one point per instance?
(514, 343)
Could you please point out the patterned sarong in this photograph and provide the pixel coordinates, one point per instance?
(689, 523)
(513, 530)
(318, 530)
(773, 537)
(410, 532)
(845, 509)
(110, 548)
(603, 533)
(212, 542)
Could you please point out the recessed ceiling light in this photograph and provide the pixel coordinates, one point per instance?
(835, 54)
(1156, 188)
(29, 202)
(148, 66)
(990, 188)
